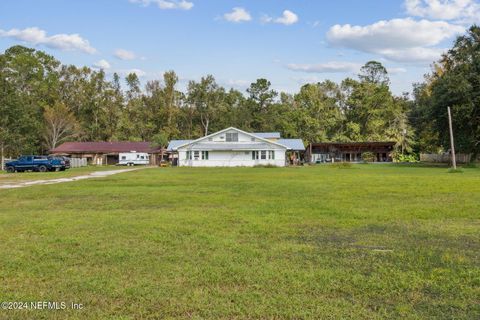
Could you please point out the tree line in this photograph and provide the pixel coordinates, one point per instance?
(44, 103)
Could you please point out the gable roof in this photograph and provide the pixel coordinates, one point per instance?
(293, 144)
(230, 128)
(268, 135)
(105, 147)
(173, 144)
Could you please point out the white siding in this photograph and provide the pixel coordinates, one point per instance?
(231, 159)
(222, 137)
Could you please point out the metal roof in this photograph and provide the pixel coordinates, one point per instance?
(292, 144)
(173, 144)
(264, 144)
(348, 144)
(104, 147)
(225, 146)
(268, 135)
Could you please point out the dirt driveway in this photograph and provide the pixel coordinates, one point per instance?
(96, 174)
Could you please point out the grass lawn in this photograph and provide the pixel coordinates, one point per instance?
(7, 178)
(368, 242)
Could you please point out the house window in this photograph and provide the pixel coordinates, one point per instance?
(263, 155)
(142, 157)
(271, 154)
(232, 137)
(196, 154)
(189, 155)
(204, 155)
(254, 155)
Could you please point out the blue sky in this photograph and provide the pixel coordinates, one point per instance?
(289, 42)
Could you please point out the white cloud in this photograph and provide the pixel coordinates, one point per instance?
(396, 70)
(37, 36)
(102, 64)
(123, 54)
(167, 4)
(398, 39)
(237, 15)
(413, 55)
(335, 67)
(329, 67)
(287, 18)
(461, 10)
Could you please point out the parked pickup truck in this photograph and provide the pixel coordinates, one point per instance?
(35, 163)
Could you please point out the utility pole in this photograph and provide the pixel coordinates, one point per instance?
(454, 160)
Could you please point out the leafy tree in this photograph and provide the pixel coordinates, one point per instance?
(374, 72)
(455, 83)
(60, 125)
(319, 110)
(261, 97)
(206, 96)
(28, 79)
(427, 136)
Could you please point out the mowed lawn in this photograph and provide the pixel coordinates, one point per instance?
(368, 242)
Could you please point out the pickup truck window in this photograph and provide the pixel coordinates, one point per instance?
(28, 159)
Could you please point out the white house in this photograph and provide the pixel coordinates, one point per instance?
(233, 147)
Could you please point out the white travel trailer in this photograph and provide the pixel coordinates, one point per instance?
(133, 158)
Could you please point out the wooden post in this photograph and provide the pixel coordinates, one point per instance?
(3, 157)
(310, 153)
(454, 160)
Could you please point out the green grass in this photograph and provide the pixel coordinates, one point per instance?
(373, 242)
(7, 178)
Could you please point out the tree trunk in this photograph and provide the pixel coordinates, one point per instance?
(205, 122)
(206, 127)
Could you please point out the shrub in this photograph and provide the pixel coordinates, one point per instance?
(411, 158)
(368, 157)
(342, 165)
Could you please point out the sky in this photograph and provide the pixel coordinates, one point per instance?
(289, 42)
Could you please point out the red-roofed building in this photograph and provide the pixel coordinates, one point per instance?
(101, 153)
